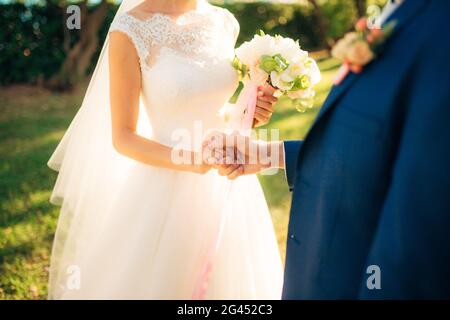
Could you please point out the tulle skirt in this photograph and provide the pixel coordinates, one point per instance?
(148, 238)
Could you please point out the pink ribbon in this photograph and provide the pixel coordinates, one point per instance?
(344, 70)
(202, 283)
(342, 73)
(251, 91)
(247, 98)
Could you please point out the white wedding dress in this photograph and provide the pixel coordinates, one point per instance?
(132, 231)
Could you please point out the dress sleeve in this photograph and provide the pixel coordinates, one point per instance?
(231, 24)
(129, 26)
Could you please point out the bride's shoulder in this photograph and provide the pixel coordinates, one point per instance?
(229, 19)
(132, 19)
(124, 22)
(224, 12)
(129, 25)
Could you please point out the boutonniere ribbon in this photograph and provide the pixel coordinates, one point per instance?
(360, 47)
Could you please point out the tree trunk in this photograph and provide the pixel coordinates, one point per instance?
(79, 56)
(361, 6)
(322, 24)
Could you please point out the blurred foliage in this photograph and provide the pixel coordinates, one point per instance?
(31, 36)
(288, 20)
(30, 42)
(340, 16)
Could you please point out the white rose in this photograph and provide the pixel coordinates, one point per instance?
(250, 52)
(281, 80)
(313, 72)
(296, 69)
(289, 49)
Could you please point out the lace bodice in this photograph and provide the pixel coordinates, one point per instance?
(186, 67)
(202, 33)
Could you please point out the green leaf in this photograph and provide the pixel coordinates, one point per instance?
(236, 93)
(301, 83)
(261, 33)
(241, 68)
(237, 64)
(268, 64)
(281, 62)
(243, 72)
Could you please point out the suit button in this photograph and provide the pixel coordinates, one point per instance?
(294, 238)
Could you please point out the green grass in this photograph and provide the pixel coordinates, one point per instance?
(32, 121)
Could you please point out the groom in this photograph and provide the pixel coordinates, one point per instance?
(370, 215)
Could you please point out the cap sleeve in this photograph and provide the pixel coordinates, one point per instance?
(231, 24)
(130, 26)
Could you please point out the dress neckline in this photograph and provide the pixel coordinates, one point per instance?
(176, 20)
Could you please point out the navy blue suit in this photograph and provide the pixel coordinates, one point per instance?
(371, 181)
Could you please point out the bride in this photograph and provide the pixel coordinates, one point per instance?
(134, 224)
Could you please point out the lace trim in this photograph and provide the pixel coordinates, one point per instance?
(125, 24)
(192, 34)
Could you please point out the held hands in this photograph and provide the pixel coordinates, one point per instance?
(237, 155)
(233, 159)
(234, 155)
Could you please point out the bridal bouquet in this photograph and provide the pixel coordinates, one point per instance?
(278, 61)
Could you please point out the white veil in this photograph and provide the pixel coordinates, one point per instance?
(78, 153)
(87, 162)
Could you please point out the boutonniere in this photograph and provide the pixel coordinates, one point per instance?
(358, 48)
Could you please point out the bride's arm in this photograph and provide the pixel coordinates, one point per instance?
(125, 86)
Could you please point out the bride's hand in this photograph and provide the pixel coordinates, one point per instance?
(250, 156)
(264, 105)
(202, 166)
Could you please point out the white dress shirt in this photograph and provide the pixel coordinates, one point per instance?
(387, 11)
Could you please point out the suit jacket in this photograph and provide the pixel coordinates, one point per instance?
(371, 181)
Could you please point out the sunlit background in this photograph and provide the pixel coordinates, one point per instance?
(44, 71)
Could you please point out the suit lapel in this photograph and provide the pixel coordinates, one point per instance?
(405, 12)
(336, 92)
(402, 15)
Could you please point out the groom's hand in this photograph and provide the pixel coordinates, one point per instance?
(236, 170)
(237, 155)
(264, 104)
(241, 165)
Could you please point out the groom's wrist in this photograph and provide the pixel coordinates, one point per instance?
(277, 154)
(271, 154)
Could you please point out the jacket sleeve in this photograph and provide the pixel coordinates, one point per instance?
(291, 151)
